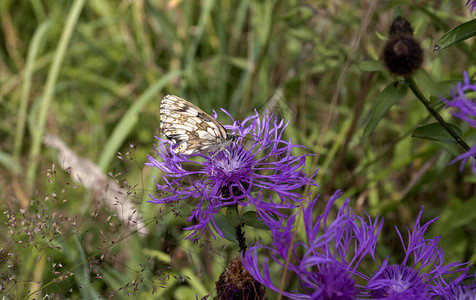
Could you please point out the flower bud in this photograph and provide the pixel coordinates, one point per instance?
(400, 26)
(402, 54)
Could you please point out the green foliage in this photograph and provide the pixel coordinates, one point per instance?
(390, 96)
(436, 132)
(94, 72)
(227, 227)
(249, 218)
(459, 33)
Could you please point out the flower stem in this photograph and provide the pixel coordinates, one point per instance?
(240, 236)
(434, 113)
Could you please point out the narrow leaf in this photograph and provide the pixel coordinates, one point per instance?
(389, 97)
(426, 83)
(457, 34)
(436, 132)
(250, 219)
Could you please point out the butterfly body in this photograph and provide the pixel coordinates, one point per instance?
(190, 129)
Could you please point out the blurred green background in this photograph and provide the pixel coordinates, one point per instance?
(92, 74)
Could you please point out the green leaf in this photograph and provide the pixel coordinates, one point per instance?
(446, 87)
(426, 83)
(226, 227)
(8, 162)
(250, 219)
(370, 65)
(457, 218)
(161, 256)
(436, 132)
(183, 208)
(238, 62)
(381, 36)
(457, 34)
(232, 215)
(389, 97)
(398, 12)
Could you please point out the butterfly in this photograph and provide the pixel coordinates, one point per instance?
(190, 129)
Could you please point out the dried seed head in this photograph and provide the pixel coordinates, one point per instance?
(235, 283)
(402, 54)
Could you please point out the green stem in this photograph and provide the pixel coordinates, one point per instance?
(240, 236)
(434, 113)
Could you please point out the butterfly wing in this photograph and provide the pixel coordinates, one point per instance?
(189, 128)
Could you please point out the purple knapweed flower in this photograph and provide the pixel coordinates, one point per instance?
(466, 111)
(472, 4)
(458, 292)
(424, 278)
(257, 164)
(329, 257)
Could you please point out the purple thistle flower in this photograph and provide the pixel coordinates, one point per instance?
(328, 266)
(397, 282)
(456, 292)
(425, 278)
(331, 253)
(466, 111)
(239, 175)
(472, 4)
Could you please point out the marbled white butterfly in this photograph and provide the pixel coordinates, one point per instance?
(190, 129)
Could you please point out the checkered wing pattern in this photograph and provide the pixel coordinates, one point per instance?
(190, 129)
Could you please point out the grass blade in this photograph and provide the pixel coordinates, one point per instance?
(130, 118)
(51, 81)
